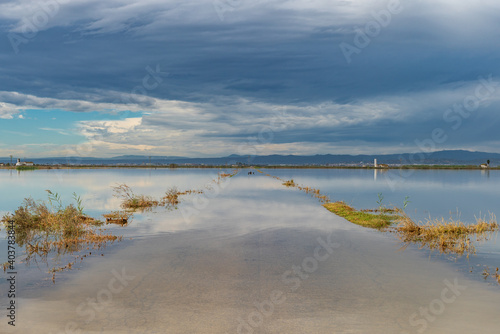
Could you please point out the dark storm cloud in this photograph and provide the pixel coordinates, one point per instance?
(428, 56)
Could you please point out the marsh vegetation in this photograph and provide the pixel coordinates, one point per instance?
(49, 228)
(444, 236)
(59, 235)
(141, 202)
(379, 219)
(26, 167)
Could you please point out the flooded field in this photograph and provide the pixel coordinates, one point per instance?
(248, 255)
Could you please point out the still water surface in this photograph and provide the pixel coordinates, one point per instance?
(246, 257)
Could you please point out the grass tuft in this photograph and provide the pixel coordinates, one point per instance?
(133, 201)
(362, 218)
(51, 228)
(445, 236)
(143, 202)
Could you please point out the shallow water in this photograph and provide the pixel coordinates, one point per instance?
(248, 256)
(463, 194)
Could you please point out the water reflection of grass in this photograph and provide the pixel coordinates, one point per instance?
(118, 217)
(26, 167)
(486, 273)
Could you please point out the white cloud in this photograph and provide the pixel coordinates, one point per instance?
(8, 111)
(111, 127)
(83, 102)
(233, 125)
(59, 131)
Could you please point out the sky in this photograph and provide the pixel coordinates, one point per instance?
(207, 78)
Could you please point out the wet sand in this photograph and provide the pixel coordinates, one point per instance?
(251, 262)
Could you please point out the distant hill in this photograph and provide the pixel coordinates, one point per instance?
(451, 157)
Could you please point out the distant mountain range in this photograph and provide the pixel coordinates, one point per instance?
(452, 157)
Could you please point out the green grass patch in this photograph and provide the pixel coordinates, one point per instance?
(362, 218)
(26, 167)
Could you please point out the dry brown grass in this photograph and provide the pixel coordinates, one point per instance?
(308, 190)
(222, 175)
(486, 273)
(315, 193)
(44, 229)
(132, 201)
(118, 217)
(445, 236)
(141, 202)
(171, 197)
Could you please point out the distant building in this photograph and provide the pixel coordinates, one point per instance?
(24, 163)
(377, 165)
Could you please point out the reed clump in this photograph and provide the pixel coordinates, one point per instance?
(223, 175)
(52, 228)
(289, 183)
(171, 196)
(362, 218)
(308, 190)
(315, 193)
(132, 201)
(445, 236)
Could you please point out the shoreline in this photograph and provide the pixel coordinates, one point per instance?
(405, 167)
